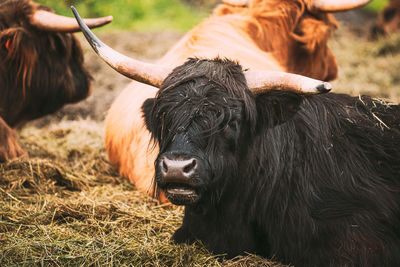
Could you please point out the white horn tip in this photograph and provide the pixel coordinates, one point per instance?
(108, 18)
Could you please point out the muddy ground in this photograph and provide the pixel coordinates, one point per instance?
(63, 204)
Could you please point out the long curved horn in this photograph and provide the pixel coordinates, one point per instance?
(150, 74)
(260, 81)
(49, 21)
(337, 5)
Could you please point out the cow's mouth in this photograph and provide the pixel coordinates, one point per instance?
(180, 194)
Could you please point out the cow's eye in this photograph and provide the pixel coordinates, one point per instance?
(233, 125)
(231, 130)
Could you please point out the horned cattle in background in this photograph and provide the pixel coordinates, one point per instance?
(41, 66)
(388, 21)
(273, 35)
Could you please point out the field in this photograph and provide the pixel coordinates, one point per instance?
(62, 204)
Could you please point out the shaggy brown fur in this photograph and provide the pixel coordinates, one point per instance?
(296, 37)
(39, 71)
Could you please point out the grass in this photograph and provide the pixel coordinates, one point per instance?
(376, 5)
(151, 15)
(142, 15)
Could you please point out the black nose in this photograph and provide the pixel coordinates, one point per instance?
(177, 170)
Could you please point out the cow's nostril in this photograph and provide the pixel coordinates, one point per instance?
(190, 167)
(177, 170)
(164, 166)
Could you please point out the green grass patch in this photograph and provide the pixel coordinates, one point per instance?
(141, 15)
(376, 5)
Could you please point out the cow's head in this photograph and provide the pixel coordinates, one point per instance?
(296, 32)
(41, 62)
(202, 113)
(388, 20)
(197, 119)
(202, 119)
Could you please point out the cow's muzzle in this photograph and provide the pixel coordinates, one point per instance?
(176, 177)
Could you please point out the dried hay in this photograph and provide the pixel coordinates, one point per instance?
(367, 67)
(63, 205)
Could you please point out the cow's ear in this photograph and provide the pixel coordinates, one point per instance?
(17, 42)
(277, 107)
(146, 109)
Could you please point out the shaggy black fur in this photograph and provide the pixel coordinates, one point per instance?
(307, 180)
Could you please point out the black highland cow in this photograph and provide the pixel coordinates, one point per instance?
(264, 165)
(311, 180)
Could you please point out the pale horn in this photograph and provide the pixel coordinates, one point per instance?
(49, 21)
(261, 81)
(337, 5)
(147, 73)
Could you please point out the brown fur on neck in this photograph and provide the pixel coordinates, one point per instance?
(270, 22)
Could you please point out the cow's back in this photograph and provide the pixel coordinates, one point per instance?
(224, 37)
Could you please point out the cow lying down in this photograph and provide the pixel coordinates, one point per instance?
(41, 66)
(312, 180)
(265, 164)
